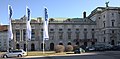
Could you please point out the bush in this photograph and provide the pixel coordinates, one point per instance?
(69, 48)
(59, 48)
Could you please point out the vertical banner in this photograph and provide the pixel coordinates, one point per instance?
(28, 24)
(46, 21)
(10, 34)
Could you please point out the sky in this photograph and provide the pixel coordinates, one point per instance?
(56, 8)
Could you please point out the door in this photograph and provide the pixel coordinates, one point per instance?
(51, 46)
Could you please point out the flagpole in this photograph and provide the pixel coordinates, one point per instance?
(45, 27)
(26, 46)
(43, 46)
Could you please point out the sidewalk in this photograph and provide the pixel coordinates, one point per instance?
(62, 55)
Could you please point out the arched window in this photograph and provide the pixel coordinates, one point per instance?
(17, 46)
(51, 46)
(60, 43)
(69, 43)
(32, 47)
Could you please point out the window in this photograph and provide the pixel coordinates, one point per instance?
(112, 14)
(85, 29)
(33, 34)
(112, 22)
(69, 29)
(104, 32)
(51, 36)
(51, 29)
(104, 23)
(60, 29)
(92, 29)
(41, 35)
(112, 31)
(85, 35)
(93, 34)
(104, 39)
(69, 35)
(99, 17)
(77, 29)
(17, 35)
(60, 35)
(41, 29)
(77, 35)
(24, 34)
(104, 16)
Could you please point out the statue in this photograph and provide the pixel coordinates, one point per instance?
(107, 4)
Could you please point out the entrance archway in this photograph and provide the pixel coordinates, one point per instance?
(42, 45)
(85, 43)
(51, 46)
(24, 47)
(77, 43)
(17, 46)
(69, 43)
(112, 42)
(32, 47)
(60, 43)
(93, 43)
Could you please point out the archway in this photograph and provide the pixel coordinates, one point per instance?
(77, 43)
(69, 43)
(32, 47)
(85, 43)
(17, 46)
(112, 42)
(60, 43)
(42, 46)
(24, 47)
(92, 43)
(51, 46)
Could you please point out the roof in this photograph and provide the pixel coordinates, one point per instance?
(102, 9)
(3, 28)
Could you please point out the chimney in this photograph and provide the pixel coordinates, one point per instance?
(84, 14)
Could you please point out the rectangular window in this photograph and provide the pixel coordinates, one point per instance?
(51, 36)
(41, 35)
(112, 22)
(104, 23)
(69, 35)
(17, 35)
(60, 35)
(33, 34)
(112, 31)
(85, 35)
(77, 35)
(24, 34)
(93, 35)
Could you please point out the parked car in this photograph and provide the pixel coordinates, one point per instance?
(91, 48)
(14, 53)
(78, 51)
(108, 47)
(116, 48)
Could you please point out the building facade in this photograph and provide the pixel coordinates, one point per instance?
(101, 26)
(3, 37)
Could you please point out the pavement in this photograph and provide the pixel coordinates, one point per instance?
(87, 55)
(90, 53)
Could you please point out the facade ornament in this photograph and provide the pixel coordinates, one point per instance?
(107, 4)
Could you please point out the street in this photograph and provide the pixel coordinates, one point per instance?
(91, 55)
